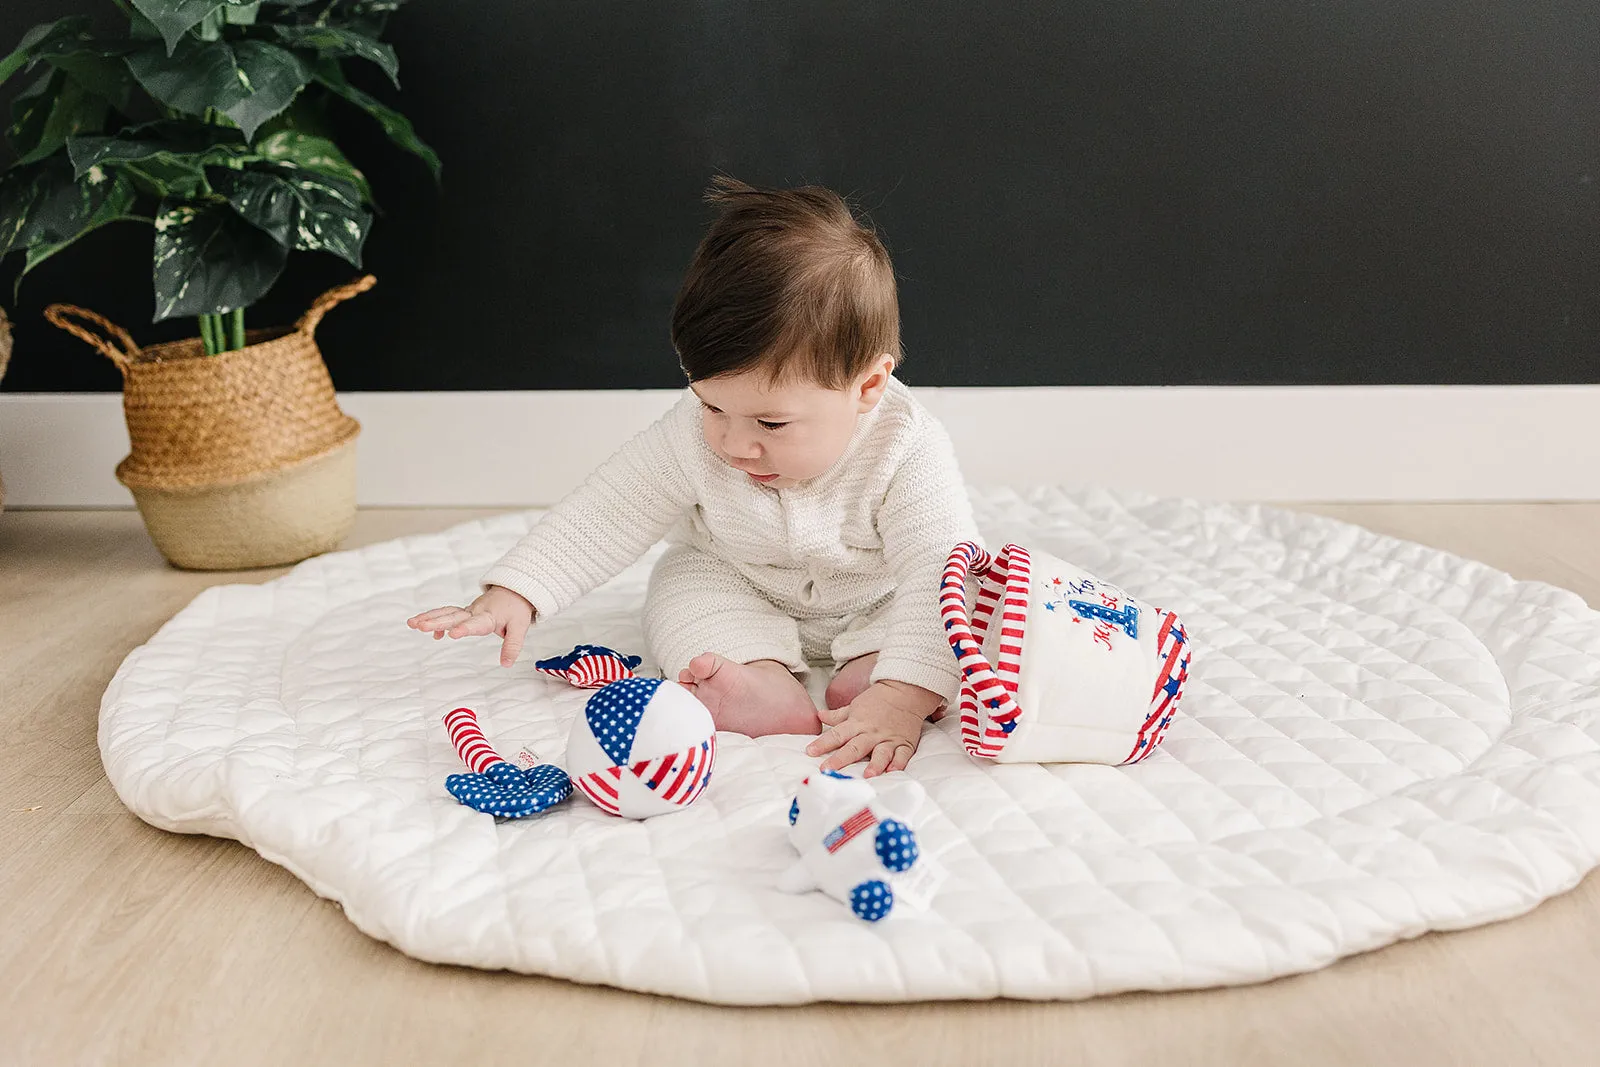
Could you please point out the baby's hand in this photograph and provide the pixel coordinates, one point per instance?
(884, 724)
(498, 611)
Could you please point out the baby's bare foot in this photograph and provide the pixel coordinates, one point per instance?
(754, 699)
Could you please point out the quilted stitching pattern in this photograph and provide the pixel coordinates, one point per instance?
(1378, 739)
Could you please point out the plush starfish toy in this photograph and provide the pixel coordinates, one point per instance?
(497, 786)
(589, 666)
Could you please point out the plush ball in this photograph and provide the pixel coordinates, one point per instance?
(642, 747)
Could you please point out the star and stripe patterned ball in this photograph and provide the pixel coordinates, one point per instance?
(642, 747)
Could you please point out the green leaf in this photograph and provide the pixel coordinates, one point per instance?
(249, 81)
(274, 77)
(208, 260)
(166, 159)
(99, 200)
(309, 152)
(197, 76)
(43, 38)
(180, 137)
(334, 41)
(306, 212)
(175, 18)
(43, 204)
(59, 109)
(67, 45)
(396, 125)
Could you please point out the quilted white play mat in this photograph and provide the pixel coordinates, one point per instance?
(1378, 739)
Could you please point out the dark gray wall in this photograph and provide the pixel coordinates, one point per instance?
(1075, 191)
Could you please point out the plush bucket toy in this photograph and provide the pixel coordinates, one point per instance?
(1058, 666)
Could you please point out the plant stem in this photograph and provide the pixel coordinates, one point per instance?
(207, 336)
(238, 328)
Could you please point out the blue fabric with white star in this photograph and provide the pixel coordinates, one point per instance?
(564, 663)
(896, 845)
(614, 713)
(872, 900)
(506, 791)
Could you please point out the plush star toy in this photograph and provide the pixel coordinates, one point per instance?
(589, 666)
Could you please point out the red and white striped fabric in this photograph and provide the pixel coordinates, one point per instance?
(679, 776)
(1173, 646)
(589, 666)
(603, 787)
(1056, 665)
(591, 672)
(473, 748)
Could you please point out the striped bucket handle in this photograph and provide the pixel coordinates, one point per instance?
(989, 709)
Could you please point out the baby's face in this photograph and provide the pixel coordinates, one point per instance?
(782, 435)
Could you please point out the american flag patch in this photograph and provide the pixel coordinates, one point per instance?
(846, 831)
(679, 777)
(1172, 646)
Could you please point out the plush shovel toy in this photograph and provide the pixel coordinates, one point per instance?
(497, 786)
(849, 847)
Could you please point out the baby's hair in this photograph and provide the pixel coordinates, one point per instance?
(788, 281)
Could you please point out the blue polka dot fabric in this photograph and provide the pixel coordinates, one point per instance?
(794, 810)
(506, 791)
(872, 900)
(896, 845)
(614, 713)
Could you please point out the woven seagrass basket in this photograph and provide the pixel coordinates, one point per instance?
(241, 459)
(5, 357)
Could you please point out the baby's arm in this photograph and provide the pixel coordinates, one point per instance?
(620, 510)
(924, 515)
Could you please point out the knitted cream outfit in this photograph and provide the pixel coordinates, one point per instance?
(842, 565)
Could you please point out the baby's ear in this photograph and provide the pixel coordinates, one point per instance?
(874, 382)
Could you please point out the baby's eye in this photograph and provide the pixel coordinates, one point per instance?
(765, 425)
(708, 407)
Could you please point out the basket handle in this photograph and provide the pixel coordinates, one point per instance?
(63, 316)
(988, 701)
(330, 300)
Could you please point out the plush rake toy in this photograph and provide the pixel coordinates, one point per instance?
(497, 786)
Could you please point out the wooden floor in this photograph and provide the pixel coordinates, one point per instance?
(120, 944)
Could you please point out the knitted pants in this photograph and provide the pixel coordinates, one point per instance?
(698, 603)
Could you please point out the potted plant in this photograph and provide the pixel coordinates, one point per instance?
(209, 120)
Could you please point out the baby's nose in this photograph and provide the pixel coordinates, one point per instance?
(742, 448)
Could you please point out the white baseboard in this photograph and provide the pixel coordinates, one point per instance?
(1231, 443)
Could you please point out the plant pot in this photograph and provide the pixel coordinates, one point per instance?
(241, 459)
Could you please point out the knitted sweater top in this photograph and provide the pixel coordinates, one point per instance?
(870, 534)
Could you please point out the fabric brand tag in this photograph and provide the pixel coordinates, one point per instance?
(917, 887)
(526, 760)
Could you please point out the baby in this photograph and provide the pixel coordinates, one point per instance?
(808, 500)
